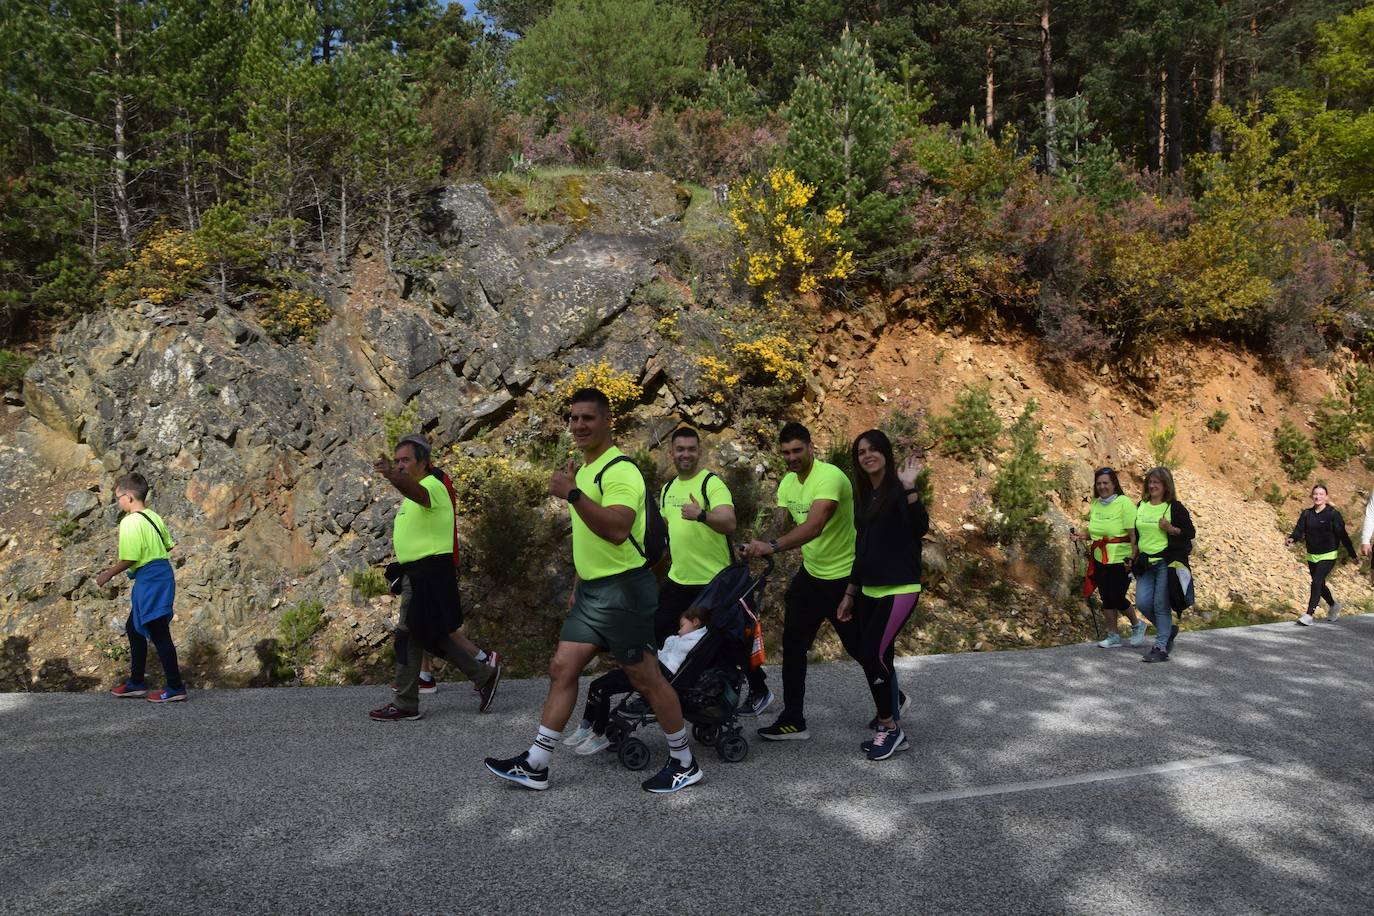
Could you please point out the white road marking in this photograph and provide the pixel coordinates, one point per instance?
(1008, 788)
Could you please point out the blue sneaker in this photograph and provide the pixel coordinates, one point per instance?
(1138, 633)
(673, 777)
(1111, 642)
(886, 742)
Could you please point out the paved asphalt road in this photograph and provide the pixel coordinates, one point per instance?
(1237, 778)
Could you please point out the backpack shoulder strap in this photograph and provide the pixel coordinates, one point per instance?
(602, 473)
(160, 536)
(705, 499)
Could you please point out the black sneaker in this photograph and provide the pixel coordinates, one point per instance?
(1156, 654)
(518, 770)
(783, 730)
(901, 708)
(755, 704)
(673, 776)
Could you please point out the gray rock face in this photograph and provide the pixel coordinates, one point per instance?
(260, 454)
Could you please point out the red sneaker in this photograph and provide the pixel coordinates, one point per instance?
(391, 713)
(429, 686)
(493, 661)
(168, 696)
(129, 690)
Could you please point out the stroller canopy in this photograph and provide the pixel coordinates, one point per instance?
(726, 597)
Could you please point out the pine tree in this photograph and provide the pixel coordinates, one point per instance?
(1020, 492)
(841, 137)
(277, 150)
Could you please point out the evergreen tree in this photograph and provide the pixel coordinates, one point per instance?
(609, 54)
(841, 138)
(1020, 492)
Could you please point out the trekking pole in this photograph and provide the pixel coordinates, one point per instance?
(1088, 599)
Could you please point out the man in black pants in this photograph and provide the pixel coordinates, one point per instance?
(818, 499)
(700, 514)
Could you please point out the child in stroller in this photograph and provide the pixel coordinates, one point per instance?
(707, 675)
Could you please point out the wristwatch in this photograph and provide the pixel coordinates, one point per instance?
(574, 495)
(774, 546)
(702, 518)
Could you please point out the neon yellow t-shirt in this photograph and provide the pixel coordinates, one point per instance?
(141, 542)
(1150, 538)
(884, 591)
(595, 557)
(699, 551)
(418, 532)
(830, 555)
(1112, 521)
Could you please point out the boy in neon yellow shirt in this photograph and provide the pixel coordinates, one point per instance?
(144, 548)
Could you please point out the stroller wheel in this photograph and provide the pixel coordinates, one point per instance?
(732, 748)
(634, 754)
(615, 732)
(706, 734)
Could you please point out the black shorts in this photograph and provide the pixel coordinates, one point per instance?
(1112, 581)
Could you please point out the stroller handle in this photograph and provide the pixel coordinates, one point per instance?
(766, 558)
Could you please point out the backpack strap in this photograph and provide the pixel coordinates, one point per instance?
(596, 481)
(160, 536)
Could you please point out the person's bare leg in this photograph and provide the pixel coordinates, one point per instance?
(1112, 618)
(569, 660)
(649, 682)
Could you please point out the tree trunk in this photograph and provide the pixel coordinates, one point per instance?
(1161, 154)
(1174, 124)
(988, 89)
(187, 186)
(121, 148)
(1218, 86)
(1047, 71)
(343, 223)
(1254, 59)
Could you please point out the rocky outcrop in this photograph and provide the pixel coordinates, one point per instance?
(260, 454)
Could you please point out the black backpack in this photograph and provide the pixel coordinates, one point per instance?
(655, 529)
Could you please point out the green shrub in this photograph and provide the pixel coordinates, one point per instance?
(1338, 431)
(297, 627)
(1216, 420)
(1294, 451)
(971, 427)
(1162, 443)
(369, 583)
(505, 529)
(399, 424)
(1020, 491)
(12, 368)
(839, 451)
(1275, 497)
(748, 495)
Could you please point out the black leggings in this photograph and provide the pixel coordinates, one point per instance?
(1320, 570)
(809, 602)
(599, 694)
(161, 632)
(878, 621)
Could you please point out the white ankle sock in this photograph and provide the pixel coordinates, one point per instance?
(481, 655)
(542, 749)
(425, 675)
(678, 747)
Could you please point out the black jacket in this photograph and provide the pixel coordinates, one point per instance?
(1322, 531)
(887, 550)
(1181, 544)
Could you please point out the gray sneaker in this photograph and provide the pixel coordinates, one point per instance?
(1334, 613)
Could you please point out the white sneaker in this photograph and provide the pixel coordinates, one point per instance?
(582, 734)
(1334, 613)
(592, 745)
(1305, 620)
(1138, 633)
(1111, 642)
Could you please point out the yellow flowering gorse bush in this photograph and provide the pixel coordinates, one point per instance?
(164, 269)
(474, 476)
(788, 247)
(293, 314)
(620, 388)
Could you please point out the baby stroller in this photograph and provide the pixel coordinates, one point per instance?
(708, 681)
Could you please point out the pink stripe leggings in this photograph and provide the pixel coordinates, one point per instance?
(878, 621)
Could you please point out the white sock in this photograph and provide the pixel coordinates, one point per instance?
(425, 675)
(542, 749)
(481, 655)
(678, 747)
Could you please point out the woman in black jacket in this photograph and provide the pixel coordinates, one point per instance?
(1164, 539)
(1322, 529)
(886, 580)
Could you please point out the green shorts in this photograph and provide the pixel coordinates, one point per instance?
(616, 613)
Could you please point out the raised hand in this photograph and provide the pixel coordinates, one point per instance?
(691, 510)
(563, 480)
(909, 472)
